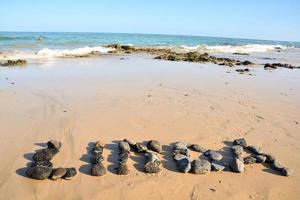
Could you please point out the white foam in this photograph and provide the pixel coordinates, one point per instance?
(56, 53)
(249, 48)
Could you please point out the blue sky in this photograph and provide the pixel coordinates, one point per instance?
(261, 19)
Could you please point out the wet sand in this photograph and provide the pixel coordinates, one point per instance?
(78, 101)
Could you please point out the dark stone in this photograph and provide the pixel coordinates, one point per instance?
(151, 167)
(286, 171)
(97, 150)
(152, 158)
(39, 172)
(180, 146)
(130, 142)
(54, 144)
(242, 70)
(13, 62)
(179, 156)
(185, 152)
(99, 144)
(217, 167)
(249, 160)
(123, 169)
(260, 158)
(70, 174)
(124, 155)
(183, 165)
(154, 145)
(276, 165)
(200, 166)
(97, 158)
(58, 173)
(247, 62)
(241, 141)
(237, 165)
(124, 146)
(254, 150)
(140, 148)
(42, 163)
(237, 150)
(269, 158)
(98, 170)
(44, 154)
(213, 155)
(197, 148)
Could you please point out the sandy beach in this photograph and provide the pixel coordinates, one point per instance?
(79, 101)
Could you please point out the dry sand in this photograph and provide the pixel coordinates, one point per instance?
(78, 101)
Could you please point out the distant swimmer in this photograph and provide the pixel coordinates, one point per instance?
(40, 38)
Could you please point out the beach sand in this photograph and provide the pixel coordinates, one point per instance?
(79, 101)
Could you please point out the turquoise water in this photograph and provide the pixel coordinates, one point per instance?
(37, 41)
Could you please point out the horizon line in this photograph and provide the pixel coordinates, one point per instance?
(164, 34)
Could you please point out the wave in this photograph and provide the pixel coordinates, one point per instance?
(249, 48)
(57, 53)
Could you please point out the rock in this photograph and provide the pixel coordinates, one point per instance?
(286, 171)
(237, 165)
(97, 158)
(237, 150)
(200, 166)
(249, 160)
(42, 164)
(124, 155)
(54, 144)
(269, 67)
(70, 174)
(254, 149)
(99, 144)
(242, 70)
(140, 148)
(197, 148)
(44, 154)
(213, 155)
(152, 158)
(276, 165)
(179, 156)
(154, 145)
(13, 62)
(183, 165)
(39, 172)
(241, 141)
(269, 158)
(123, 169)
(98, 170)
(180, 146)
(183, 152)
(151, 167)
(247, 62)
(260, 158)
(124, 146)
(130, 142)
(58, 173)
(217, 167)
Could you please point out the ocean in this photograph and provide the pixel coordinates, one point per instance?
(15, 45)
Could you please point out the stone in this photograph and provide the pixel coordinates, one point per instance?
(286, 171)
(180, 146)
(140, 148)
(123, 169)
(98, 170)
(269, 158)
(247, 62)
(183, 165)
(44, 154)
(249, 160)
(124, 146)
(99, 144)
(254, 149)
(153, 158)
(241, 141)
(123, 156)
(70, 174)
(42, 163)
(13, 62)
(154, 145)
(54, 144)
(58, 173)
(276, 165)
(217, 167)
(242, 70)
(183, 152)
(130, 142)
(97, 150)
(39, 172)
(97, 158)
(200, 166)
(197, 148)
(237, 165)
(237, 150)
(213, 155)
(151, 167)
(260, 158)
(179, 156)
